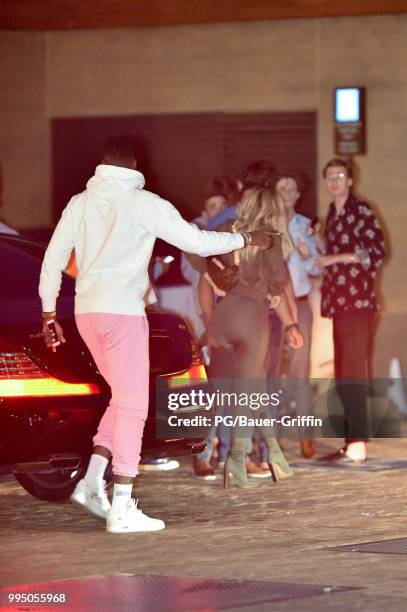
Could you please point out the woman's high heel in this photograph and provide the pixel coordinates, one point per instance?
(235, 465)
(236, 469)
(277, 472)
(279, 466)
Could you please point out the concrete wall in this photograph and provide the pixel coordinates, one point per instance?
(253, 67)
(24, 129)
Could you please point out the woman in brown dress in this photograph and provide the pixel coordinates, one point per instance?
(240, 321)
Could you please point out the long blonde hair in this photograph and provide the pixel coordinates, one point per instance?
(263, 209)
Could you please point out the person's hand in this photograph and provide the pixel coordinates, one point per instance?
(303, 249)
(49, 337)
(293, 336)
(313, 228)
(323, 261)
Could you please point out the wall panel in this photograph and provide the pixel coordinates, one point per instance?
(177, 152)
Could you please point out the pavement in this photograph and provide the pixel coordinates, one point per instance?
(286, 532)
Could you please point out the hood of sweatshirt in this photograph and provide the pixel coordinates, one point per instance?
(110, 180)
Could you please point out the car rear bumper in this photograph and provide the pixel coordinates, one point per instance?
(38, 429)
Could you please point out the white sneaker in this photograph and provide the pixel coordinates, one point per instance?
(356, 451)
(94, 502)
(132, 519)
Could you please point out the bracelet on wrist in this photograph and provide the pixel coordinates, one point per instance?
(49, 315)
(248, 238)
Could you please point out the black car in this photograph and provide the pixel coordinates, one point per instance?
(51, 403)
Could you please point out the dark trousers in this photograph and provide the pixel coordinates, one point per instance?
(352, 334)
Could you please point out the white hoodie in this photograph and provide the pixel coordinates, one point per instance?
(112, 226)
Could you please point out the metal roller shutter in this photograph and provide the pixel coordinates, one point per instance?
(178, 151)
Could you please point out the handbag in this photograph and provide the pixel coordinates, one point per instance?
(222, 276)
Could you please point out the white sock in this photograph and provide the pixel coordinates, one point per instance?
(96, 471)
(356, 451)
(121, 497)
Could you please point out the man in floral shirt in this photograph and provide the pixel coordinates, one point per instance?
(355, 250)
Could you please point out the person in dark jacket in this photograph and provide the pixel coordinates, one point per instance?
(354, 252)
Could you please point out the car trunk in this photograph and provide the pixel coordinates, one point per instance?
(170, 349)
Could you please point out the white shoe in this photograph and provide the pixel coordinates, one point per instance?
(94, 502)
(132, 519)
(356, 451)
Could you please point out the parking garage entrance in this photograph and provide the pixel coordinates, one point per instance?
(177, 152)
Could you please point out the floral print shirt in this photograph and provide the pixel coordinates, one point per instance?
(351, 286)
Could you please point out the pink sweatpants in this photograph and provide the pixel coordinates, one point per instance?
(119, 346)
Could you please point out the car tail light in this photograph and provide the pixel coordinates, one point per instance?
(20, 377)
(195, 373)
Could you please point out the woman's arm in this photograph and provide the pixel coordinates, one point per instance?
(207, 303)
(206, 300)
(287, 312)
(291, 301)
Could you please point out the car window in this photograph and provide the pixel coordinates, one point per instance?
(20, 266)
(31, 248)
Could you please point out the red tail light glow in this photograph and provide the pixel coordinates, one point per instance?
(196, 373)
(20, 377)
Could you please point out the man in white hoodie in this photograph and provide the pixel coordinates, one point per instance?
(112, 226)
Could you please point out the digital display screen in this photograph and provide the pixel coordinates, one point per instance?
(347, 104)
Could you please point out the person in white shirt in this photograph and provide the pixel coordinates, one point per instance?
(214, 201)
(301, 265)
(112, 226)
